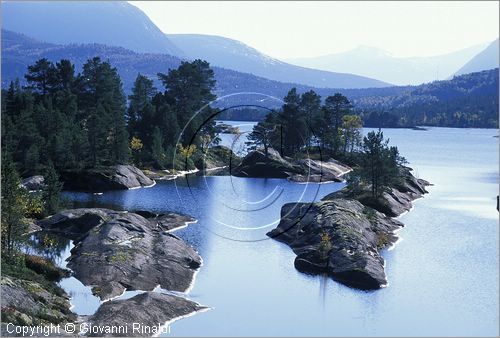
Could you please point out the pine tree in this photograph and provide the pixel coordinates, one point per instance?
(157, 151)
(52, 190)
(380, 164)
(103, 106)
(351, 133)
(41, 76)
(310, 107)
(64, 75)
(187, 90)
(335, 108)
(292, 124)
(263, 134)
(140, 107)
(14, 206)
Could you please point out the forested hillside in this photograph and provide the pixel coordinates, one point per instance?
(75, 121)
(469, 100)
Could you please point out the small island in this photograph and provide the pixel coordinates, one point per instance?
(307, 141)
(341, 235)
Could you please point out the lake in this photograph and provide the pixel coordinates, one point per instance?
(443, 274)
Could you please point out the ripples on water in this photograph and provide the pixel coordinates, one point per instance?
(443, 275)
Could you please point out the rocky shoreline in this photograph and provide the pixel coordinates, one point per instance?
(114, 252)
(257, 164)
(148, 308)
(117, 177)
(117, 251)
(342, 235)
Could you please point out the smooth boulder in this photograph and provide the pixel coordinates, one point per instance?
(117, 251)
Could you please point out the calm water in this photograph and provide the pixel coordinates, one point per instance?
(443, 275)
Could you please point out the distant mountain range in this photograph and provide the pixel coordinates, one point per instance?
(235, 55)
(120, 24)
(471, 94)
(19, 51)
(379, 64)
(114, 23)
(487, 59)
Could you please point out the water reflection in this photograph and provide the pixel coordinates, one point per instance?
(446, 267)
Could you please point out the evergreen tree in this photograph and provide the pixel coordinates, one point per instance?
(263, 134)
(310, 106)
(351, 133)
(292, 124)
(380, 163)
(188, 89)
(64, 75)
(14, 206)
(70, 139)
(140, 107)
(52, 190)
(41, 76)
(157, 151)
(335, 108)
(103, 106)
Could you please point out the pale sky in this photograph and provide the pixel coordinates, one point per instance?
(298, 29)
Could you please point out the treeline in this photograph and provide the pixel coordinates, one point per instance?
(243, 114)
(466, 101)
(78, 121)
(469, 100)
(306, 128)
(305, 124)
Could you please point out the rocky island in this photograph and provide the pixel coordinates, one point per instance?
(272, 165)
(148, 308)
(114, 252)
(117, 251)
(342, 235)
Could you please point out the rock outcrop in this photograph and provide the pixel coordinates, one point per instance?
(393, 202)
(28, 303)
(272, 165)
(33, 183)
(341, 235)
(149, 309)
(320, 171)
(117, 251)
(118, 177)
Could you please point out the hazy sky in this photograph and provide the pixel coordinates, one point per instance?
(296, 29)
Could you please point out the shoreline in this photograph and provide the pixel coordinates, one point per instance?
(358, 232)
(81, 294)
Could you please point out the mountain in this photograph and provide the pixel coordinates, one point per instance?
(466, 100)
(379, 64)
(113, 23)
(117, 23)
(19, 51)
(235, 55)
(486, 59)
